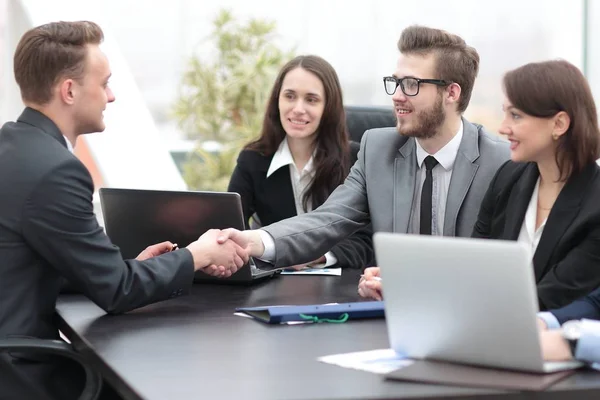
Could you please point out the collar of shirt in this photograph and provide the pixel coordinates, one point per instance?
(283, 157)
(446, 155)
(69, 145)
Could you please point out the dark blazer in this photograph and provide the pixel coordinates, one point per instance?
(272, 199)
(567, 259)
(48, 232)
(585, 307)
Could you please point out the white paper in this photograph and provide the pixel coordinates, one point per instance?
(314, 271)
(381, 361)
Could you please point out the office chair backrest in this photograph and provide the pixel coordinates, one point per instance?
(93, 379)
(362, 118)
(11, 381)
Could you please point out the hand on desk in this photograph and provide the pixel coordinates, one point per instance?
(369, 285)
(554, 346)
(217, 258)
(155, 250)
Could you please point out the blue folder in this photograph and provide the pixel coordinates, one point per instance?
(316, 312)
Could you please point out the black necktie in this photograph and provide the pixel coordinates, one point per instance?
(430, 163)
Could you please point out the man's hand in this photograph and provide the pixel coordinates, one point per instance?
(248, 240)
(369, 285)
(217, 259)
(300, 267)
(156, 250)
(541, 324)
(555, 346)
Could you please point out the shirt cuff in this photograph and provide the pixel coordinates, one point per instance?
(269, 254)
(588, 345)
(549, 319)
(330, 259)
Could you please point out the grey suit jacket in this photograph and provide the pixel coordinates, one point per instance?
(380, 187)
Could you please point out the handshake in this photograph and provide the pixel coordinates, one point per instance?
(217, 252)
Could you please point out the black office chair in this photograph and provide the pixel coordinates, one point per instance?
(362, 118)
(93, 380)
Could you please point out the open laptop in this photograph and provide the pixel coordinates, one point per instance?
(470, 301)
(135, 219)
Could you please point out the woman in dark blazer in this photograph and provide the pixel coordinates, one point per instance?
(302, 155)
(548, 195)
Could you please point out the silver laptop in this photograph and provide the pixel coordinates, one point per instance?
(470, 301)
(135, 218)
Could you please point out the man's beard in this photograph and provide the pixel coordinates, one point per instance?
(427, 122)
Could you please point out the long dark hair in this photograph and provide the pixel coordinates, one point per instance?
(332, 144)
(542, 90)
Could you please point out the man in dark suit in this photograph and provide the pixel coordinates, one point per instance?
(427, 175)
(48, 231)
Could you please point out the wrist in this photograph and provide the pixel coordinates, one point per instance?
(571, 332)
(200, 262)
(257, 247)
(199, 255)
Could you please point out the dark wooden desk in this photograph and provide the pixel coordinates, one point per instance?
(194, 347)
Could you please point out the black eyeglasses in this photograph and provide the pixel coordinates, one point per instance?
(410, 86)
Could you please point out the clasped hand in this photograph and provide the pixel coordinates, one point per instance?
(215, 258)
(217, 252)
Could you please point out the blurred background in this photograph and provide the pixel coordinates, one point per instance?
(181, 67)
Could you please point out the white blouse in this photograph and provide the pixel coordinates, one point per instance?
(528, 234)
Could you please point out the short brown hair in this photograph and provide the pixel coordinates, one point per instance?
(455, 61)
(546, 88)
(50, 52)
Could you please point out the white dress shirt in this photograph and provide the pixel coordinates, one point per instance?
(441, 174)
(300, 181)
(69, 145)
(528, 234)
(531, 237)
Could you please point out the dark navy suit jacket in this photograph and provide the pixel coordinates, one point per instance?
(586, 307)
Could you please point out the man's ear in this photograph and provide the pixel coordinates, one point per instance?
(453, 92)
(67, 91)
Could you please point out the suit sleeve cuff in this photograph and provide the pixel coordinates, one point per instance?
(269, 254)
(185, 278)
(330, 259)
(549, 319)
(588, 345)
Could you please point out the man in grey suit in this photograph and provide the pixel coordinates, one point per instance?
(428, 175)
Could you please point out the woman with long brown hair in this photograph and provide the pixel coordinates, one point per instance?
(302, 154)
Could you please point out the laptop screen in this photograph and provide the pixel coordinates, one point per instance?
(135, 219)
